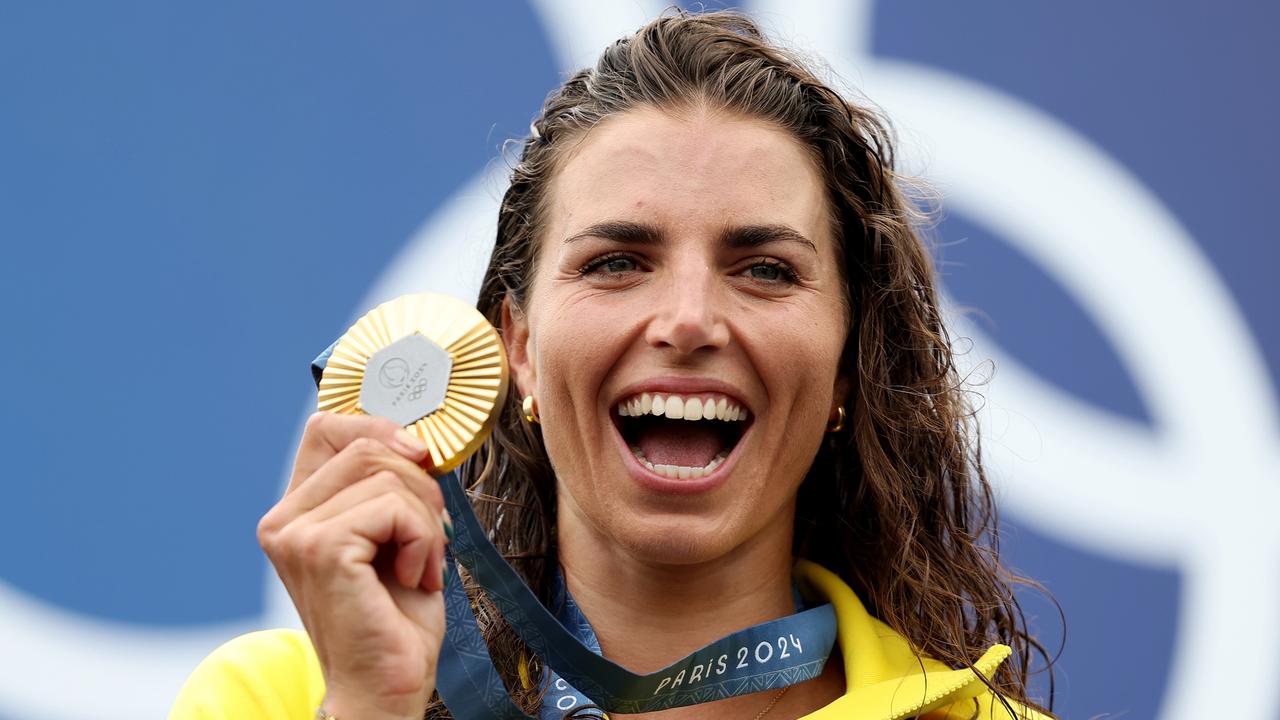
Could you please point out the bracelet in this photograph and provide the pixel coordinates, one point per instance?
(322, 714)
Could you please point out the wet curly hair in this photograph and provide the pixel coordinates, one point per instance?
(898, 504)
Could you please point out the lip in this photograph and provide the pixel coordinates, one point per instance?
(660, 483)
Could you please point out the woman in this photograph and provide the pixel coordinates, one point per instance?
(725, 336)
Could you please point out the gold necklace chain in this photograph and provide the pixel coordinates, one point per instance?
(772, 702)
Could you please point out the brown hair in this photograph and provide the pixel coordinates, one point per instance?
(898, 504)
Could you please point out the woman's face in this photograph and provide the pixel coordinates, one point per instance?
(687, 268)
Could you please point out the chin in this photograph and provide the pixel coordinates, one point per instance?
(664, 547)
(667, 538)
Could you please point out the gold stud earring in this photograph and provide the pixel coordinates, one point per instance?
(838, 425)
(530, 407)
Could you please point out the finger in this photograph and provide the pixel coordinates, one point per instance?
(434, 576)
(386, 518)
(326, 434)
(360, 459)
(383, 482)
(408, 563)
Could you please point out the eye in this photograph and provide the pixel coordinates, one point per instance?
(762, 271)
(769, 270)
(613, 264)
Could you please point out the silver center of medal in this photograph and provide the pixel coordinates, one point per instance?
(406, 380)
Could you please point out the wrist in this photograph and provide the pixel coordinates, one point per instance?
(339, 707)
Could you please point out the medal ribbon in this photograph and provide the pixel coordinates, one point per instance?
(767, 656)
(560, 696)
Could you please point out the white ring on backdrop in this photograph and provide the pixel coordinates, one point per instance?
(1192, 493)
(1197, 491)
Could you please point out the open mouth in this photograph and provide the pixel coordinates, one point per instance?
(681, 436)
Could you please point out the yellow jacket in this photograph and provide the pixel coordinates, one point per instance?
(274, 674)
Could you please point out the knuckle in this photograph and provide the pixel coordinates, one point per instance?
(317, 422)
(373, 426)
(306, 546)
(367, 448)
(387, 480)
(268, 528)
(400, 498)
(276, 545)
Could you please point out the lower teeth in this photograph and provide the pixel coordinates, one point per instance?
(679, 472)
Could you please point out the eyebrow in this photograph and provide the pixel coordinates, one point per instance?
(628, 233)
(743, 236)
(749, 236)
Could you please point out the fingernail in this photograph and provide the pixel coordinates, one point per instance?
(448, 525)
(410, 442)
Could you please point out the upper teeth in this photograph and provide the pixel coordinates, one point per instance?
(683, 407)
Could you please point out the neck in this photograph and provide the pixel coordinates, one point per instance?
(648, 614)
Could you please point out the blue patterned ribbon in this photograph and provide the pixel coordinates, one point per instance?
(767, 656)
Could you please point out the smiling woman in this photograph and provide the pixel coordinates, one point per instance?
(684, 268)
(734, 394)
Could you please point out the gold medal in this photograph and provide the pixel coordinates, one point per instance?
(431, 363)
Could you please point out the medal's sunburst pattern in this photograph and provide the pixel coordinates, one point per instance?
(477, 384)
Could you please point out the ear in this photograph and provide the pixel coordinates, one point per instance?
(840, 394)
(515, 339)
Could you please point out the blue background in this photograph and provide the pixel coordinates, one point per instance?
(195, 197)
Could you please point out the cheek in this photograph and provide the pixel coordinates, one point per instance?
(576, 349)
(572, 346)
(801, 350)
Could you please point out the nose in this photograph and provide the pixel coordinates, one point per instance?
(689, 315)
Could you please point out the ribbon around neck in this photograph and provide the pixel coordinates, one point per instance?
(767, 656)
